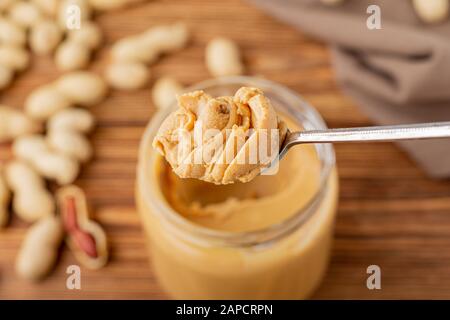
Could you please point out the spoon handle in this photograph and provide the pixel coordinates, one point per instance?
(368, 134)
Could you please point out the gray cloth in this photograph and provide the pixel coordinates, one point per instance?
(399, 74)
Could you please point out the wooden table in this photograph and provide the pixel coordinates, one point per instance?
(390, 214)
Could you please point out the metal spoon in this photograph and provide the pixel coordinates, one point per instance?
(367, 134)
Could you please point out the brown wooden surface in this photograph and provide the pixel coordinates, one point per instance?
(390, 214)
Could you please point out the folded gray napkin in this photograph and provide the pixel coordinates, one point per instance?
(398, 74)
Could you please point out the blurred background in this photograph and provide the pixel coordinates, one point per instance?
(390, 213)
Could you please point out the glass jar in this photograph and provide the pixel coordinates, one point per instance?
(286, 260)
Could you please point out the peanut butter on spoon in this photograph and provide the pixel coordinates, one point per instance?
(221, 140)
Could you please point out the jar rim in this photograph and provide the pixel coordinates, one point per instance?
(264, 236)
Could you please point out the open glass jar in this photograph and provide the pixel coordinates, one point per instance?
(274, 242)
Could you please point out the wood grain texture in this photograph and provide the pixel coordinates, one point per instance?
(390, 214)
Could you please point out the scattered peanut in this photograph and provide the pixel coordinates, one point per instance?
(432, 11)
(56, 166)
(75, 52)
(14, 57)
(21, 177)
(86, 238)
(130, 55)
(70, 143)
(127, 75)
(32, 201)
(45, 37)
(13, 123)
(166, 39)
(45, 101)
(49, 163)
(89, 35)
(82, 88)
(6, 77)
(164, 92)
(11, 34)
(78, 120)
(133, 49)
(147, 46)
(39, 250)
(223, 58)
(25, 14)
(72, 56)
(28, 145)
(5, 197)
(49, 7)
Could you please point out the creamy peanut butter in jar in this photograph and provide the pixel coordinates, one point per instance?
(269, 238)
